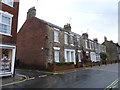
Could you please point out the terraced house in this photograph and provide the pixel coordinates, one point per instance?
(8, 32)
(41, 43)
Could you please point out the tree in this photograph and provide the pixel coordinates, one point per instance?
(103, 55)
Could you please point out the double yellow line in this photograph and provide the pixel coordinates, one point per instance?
(112, 84)
(25, 78)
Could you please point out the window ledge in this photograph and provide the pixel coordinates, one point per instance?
(66, 43)
(72, 44)
(5, 34)
(56, 42)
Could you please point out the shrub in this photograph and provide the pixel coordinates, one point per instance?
(103, 56)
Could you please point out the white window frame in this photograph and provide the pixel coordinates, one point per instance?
(79, 55)
(56, 36)
(72, 40)
(58, 50)
(10, 16)
(93, 56)
(66, 38)
(78, 40)
(7, 3)
(72, 58)
(90, 44)
(86, 44)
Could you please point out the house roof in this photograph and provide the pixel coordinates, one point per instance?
(58, 27)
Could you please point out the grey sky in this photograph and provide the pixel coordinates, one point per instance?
(97, 17)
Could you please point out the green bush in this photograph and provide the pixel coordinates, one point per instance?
(63, 63)
(103, 56)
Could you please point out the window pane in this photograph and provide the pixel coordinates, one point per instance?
(66, 38)
(5, 23)
(4, 28)
(56, 36)
(8, 2)
(5, 19)
(56, 56)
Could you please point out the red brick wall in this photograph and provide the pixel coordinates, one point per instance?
(30, 41)
(12, 10)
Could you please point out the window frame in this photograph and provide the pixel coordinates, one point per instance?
(66, 38)
(79, 55)
(6, 14)
(72, 40)
(71, 55)
(8, 4)
(58, 50)
(56, 37)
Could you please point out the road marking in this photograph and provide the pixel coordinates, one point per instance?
(32, 78)
(26, 78)
(112, 84)
(42, 76)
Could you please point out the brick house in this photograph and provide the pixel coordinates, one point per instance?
(92, 48)
(112, 49)
(8, 32)
(40, 43)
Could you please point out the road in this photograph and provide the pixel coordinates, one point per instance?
(95, 77)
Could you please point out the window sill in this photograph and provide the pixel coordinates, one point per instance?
(71, 44)
(56, 42)
(5, 34)
(66, 43)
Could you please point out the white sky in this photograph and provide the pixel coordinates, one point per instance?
(97, 17)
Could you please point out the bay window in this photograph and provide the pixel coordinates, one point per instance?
(70, 55)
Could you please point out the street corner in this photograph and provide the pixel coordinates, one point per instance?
(18, 78)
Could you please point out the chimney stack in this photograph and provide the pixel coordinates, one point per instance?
(95, 40)
(31, 12)
(105, 38)
(67, 27)
(85, 35)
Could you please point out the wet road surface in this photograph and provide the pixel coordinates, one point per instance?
(96, 77)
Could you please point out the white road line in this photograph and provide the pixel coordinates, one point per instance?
(42, 76)
(32, 78)
(55, 73)
(112, 84)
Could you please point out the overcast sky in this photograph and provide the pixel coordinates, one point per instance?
(98, 18)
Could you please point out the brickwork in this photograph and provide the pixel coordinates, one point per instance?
(14, 11)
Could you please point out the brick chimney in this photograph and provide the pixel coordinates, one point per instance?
(105, 38)
(85, 35)
(67, 27)
(95, 40)
(31, 12)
